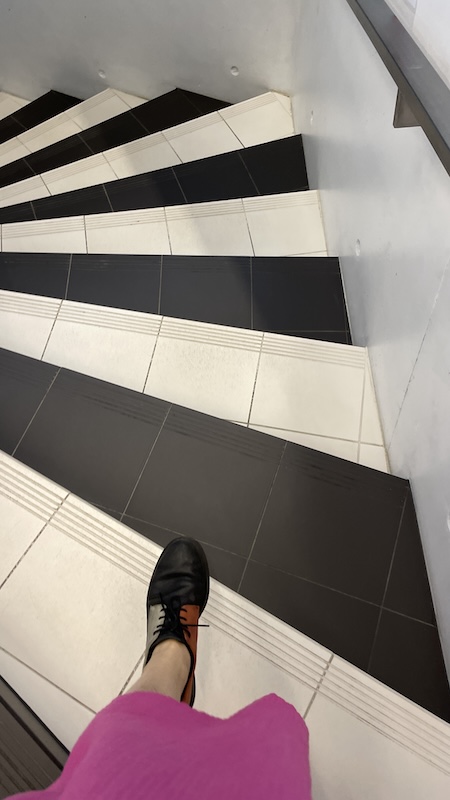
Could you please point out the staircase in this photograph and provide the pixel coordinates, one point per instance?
(177, 360)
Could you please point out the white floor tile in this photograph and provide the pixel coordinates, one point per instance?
(209, 229)
(12, 150)
(87, 172)
(367, 741)
(131, 100)
(209, 368)
(64, 235)
(285, 224)
(66, 718)
(144, 155)
(312, 387)
(137, 232)
(371, 427)
(373, 455)
(109, 344)
(48, 132)
(73, 615)
(203, 137)
(335, 447)
(234, 644)
(9, 103)
(23, 191)
(27, 502)
(102, 106)
(26, 322)
(260, 119)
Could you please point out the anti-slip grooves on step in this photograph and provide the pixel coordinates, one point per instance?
(331, 548)
(297, 296)
(34, 113)
(154, 115)
(265, 169)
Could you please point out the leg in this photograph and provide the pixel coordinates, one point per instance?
(167, 671)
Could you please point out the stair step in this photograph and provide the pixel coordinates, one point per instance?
(85, 114)
(151, 116)
(9, 104)
(298, 296)
(292, 529)
(277, 225)
(307, 391)
(200, 138)
(34, 113)
(266, 169)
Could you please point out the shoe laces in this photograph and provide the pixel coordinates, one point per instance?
(171, 620)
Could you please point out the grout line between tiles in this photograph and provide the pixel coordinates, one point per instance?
(319, 684)
(45, 523)
(107, 196)
(152, 356)
(386, 585)
(34, 415)
(262, 517)
(68, 277)
(160, 284)
(51, 331)
(256, 378)
(239, 154)
(47, 680)
(85, 233)
(132, 673)
(168, 231)
(361, 413)
(171, 146)
(179, 185)
(33, 209)
(248, 229)
(146, 462)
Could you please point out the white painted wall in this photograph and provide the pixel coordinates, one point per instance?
(386, 188)
(428, 21)
(146, 47)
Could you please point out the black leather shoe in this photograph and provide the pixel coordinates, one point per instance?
(176, 598)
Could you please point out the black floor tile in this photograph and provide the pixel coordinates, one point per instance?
(208, 289)
(37, 273)
(44, 107)
(118, 281)
(10, 127)
(408, 589)
(92, 200)
(208, 479)
(221, 177)
(298, 294)
(22, 212)
(16, 171)
(113, 132)
(92, 438)
(58, 154)
(149, 190)
(23, 385)
(223, 566)
(333, 523)
(343, 624)
(277, 166)
(163, 112)
(408, 657)
(203, 104)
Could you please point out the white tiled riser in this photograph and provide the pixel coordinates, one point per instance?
(314, 393)
(260, 119)
(105, 105)
(69, 659)
(9, 103)
(280, 224)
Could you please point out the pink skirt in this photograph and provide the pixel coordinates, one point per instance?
(145, 745)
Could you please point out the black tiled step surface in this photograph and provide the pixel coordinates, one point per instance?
(298, 296)
(329, 546)
(34, 113)
(163, 112)
(270, 168)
